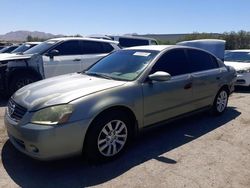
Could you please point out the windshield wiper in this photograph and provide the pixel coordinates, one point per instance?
(99, 75)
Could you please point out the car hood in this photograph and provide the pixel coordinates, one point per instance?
(9, 57)
(238, 65)
(61, 90)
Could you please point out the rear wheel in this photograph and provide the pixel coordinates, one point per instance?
(107, 136)
(21, 80)
(220, 102)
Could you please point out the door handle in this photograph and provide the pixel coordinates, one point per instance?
(218, 78)
(77, 59)
(188, 86)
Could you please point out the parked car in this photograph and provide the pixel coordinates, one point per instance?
(240, 60)
(98, 111)
(8, 49)
(51, 58)
(130, 41)
(127, 41)
(24, 47)
(19, 50)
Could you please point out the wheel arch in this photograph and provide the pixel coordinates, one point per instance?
(17, 71)
(117, 109)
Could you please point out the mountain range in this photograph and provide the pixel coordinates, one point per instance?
(20, 36)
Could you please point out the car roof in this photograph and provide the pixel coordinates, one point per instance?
(151, 47)
(33, 42)
(84, 38)
(239, 50)
(133, 37)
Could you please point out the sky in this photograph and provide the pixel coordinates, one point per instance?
(124, 16)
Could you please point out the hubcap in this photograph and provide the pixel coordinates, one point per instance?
(222, 101)
(112, 138)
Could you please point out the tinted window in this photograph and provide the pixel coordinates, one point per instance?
(107, 48)
(200, 60)
(173, 62)
(69, 48)
(92, 47)
(127, 42)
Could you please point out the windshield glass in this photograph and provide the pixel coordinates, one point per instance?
(41, 48)
(123, 65)
(238, 56)
(23, 48)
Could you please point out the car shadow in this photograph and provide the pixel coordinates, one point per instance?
(241, 89)
(3, 102)
(76, 172)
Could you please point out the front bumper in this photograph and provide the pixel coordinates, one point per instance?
(243, 79)
(47, 142)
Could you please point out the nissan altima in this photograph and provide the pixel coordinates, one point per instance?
(98, 111)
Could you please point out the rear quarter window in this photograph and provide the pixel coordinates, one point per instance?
(201, 61)
(127, 42)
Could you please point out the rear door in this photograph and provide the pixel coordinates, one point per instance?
(93, 51)
(167, 99)
(206, 75)
(68, 59)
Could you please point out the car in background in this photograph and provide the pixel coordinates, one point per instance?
(98, 111)
(240, 60)
(24, 47)
(8, 49)
(127, 41)
(51, 58)
(130, 41)
(19, 50)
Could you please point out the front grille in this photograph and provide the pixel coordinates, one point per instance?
(15, 111)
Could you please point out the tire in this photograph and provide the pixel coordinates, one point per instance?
(107, 136)
(21, 80)
(220, 102)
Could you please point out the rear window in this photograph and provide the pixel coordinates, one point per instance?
(92, 47)
(127, 42)
(200, 60)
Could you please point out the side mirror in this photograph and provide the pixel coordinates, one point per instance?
(160, 76)
(52, 53)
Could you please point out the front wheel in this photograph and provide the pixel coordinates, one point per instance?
(107, 137)
(220, 102)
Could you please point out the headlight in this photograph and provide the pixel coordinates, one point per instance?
(53, 115)
(243, 71)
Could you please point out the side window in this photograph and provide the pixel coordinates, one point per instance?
(69, 48)
(173, 62)
(200, 61)
(107, 48)
(92, 47)
(153, 42)
(127, 42)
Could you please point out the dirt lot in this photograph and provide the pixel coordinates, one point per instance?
(200, 151)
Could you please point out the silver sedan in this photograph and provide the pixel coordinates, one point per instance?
(98, 111)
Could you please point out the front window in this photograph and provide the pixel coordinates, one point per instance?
(41, 48)
(238, 56)
(123, 65)
(23, 48)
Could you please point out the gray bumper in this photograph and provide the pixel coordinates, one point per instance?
(47, 142)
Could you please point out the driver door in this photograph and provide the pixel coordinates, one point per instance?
(167, 99)
(68, 59)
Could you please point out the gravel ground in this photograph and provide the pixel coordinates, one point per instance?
(199, 151)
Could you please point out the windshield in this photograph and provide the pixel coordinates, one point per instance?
(238, 56)
(123, 65)
(23, 48)
(41, 48)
